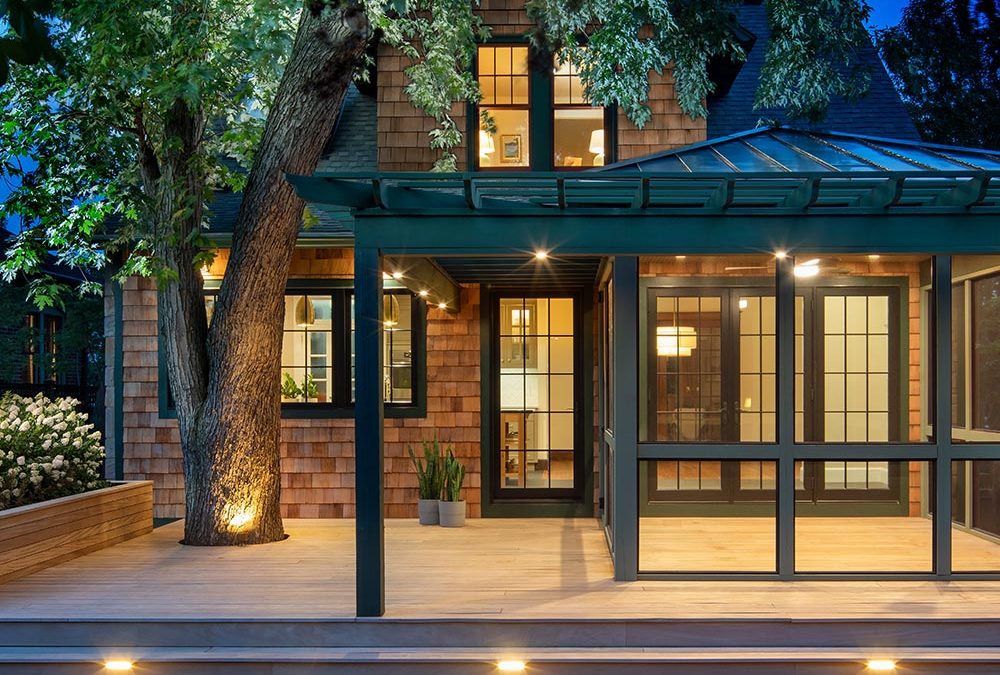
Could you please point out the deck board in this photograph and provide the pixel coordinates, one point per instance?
(530, 569)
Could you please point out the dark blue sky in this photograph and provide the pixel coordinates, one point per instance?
(885, 12)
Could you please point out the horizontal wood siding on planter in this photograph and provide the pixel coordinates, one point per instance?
(38, 536)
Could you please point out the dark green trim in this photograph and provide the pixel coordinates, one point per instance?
(624, 439)
(545, 506)
(667, 233)
(941, 347)
(368, 435)
(119, 384)
(417, 409)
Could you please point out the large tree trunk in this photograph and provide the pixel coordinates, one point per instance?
(232, 457)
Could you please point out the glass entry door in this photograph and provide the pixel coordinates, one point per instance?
(537, 435)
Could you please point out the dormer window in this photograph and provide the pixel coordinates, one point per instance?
(578, 127)
(504, 81)
(535, 122)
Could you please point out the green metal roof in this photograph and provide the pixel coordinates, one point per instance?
(794, 150)
(759, 172)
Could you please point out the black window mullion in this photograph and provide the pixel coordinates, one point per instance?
(341, 346)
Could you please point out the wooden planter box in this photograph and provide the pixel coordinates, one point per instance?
(42, 535)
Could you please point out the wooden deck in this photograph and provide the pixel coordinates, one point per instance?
(491, 569)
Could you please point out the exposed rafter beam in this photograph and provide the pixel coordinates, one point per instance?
(968, 193)
(426, 279)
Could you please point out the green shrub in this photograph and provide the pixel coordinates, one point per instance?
(47, 450)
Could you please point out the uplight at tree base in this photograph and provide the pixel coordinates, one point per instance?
(241, 519)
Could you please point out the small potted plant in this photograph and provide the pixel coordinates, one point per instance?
(452, 507)
(430, 479)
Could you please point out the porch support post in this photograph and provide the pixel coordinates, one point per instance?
(942, 415)
(626, 417)
(785, 326)
(368, 450)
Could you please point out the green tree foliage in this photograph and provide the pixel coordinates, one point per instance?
(99, 128)
(24, 35)
(810, 58)
(944, 57)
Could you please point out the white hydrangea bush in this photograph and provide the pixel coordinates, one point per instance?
(48, 449)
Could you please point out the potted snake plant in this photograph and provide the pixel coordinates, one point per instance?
(452, 506)
(430, 480)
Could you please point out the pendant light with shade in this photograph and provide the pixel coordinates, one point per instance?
(305, 313)
(676, 340)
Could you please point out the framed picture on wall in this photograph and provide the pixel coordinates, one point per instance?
(510, 147)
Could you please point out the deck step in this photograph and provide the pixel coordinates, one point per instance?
(293, 661)
(492, 634)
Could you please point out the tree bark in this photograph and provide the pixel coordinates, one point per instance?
(231, 438)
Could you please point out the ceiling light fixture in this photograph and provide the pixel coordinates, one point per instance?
(780, 255)
(809, 268)
(442, 305)
(397, 275)
(882, 665)
(541, 255)
(874, 256)
(424, 293)
(511, 666)
(118, 665)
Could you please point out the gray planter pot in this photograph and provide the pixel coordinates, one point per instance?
(427, 510)
(452, 513)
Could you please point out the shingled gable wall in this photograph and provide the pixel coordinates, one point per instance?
(317, 455)
(402, 129)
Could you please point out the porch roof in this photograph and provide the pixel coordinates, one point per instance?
(763, 171)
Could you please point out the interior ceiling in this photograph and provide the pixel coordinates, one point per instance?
(554, 271)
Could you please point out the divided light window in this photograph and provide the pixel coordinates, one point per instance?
(318, 348)
(318, 353)
(570, 132)
(578, 127)
(503, 79)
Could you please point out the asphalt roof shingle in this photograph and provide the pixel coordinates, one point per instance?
(880, 113)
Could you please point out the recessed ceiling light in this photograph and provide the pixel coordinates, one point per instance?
(780, 255)
(874, 256)
(397, 275)
(118, 665)
(680, 257)
(881, 665)
(423, 294)
(511, 666)
(541, 255)
(442, 305)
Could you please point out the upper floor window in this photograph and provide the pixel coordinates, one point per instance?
(533, 121)
(578, 127)
(504, 81)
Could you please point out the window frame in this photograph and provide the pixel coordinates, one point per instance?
(965, 429)
(341, 406)
(541, 116)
